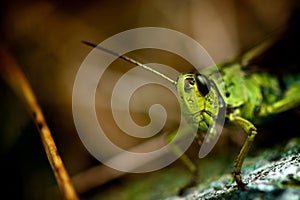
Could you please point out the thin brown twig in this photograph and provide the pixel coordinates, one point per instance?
(15, 78)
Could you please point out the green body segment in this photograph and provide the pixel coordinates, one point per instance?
(255, 96)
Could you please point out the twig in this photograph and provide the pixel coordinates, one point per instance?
(16, 79)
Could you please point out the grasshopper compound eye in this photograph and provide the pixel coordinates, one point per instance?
(202, 84)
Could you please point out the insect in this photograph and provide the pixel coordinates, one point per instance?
(248, 97)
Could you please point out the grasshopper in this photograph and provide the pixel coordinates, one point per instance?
(248, 98)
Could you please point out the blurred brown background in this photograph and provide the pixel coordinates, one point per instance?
(45, 38)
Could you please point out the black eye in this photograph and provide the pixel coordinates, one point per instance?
(203, 84)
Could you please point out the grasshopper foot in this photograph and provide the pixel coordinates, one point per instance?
(238, 179)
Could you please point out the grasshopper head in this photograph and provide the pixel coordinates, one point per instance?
(199, 98)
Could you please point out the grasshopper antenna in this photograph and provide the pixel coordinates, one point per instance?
(129, 60)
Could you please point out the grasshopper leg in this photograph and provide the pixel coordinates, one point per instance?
(191, 166)
(250, 129)
(290, 100)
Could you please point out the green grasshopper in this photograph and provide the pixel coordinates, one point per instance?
(247, 99)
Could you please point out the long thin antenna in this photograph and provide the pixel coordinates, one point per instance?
(130, 60)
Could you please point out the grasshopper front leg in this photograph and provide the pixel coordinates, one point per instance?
(191, 166)
(250, 129)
